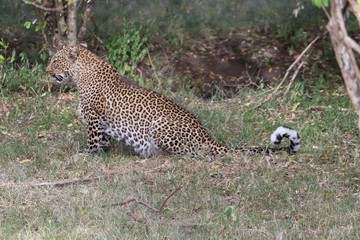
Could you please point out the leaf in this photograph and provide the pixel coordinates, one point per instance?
(3, 44)
(320, 3)
(25, 160)
(229, 213)
(37, 28)
(27, 24)
(13, 56)
(2, 59)
(216, 166)
(295, 106)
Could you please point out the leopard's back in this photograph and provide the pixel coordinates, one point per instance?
(152, 124)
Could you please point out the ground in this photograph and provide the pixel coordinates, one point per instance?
(225, 64)
(50, 188)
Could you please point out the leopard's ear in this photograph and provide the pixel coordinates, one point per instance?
(83, 45)
(74, 53)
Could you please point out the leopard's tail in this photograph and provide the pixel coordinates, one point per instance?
(276, 138)
(291, 134)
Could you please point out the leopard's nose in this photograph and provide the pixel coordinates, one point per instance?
(58, 77)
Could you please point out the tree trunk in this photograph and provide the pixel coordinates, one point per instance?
(343, 46)
(72, 28)
(87, 16)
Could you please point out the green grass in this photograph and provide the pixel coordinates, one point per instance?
(311, 195)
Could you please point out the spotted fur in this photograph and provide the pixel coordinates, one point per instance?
(148, 122)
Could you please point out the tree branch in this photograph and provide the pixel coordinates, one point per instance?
(355, 9)
(86, 18)
(34, 4)
(39, 15)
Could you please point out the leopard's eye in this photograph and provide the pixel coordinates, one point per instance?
(54, 63)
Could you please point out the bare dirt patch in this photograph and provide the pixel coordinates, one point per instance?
(223, 65)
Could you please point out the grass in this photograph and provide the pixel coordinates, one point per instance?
(311, 195)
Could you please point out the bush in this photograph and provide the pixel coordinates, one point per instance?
(22, 79)
(126, 51)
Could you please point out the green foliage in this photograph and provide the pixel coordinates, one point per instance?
(27, 24)
(37, 26)
(320, 3)
(41, 53)
(301, 27)
(297, 92)
(229, 214)
(21, 79)
(3, 46)
(126, 50)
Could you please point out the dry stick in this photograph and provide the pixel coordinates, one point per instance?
(132, 213)
(71, 181)
(130, 210)
(293, 78)
(290, 68)
(39, 15)
(178, 188)
(326, 12)
(129, 200)
(98, 38)
(132, 199)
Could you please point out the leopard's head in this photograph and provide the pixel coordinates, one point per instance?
(61, 63)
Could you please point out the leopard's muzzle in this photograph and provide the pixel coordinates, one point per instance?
(58, 78)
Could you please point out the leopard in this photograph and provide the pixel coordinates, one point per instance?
(112, 107)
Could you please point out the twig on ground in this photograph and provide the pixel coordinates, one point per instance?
(126, 202)
(297, 60)
(132, 199)
(132, 213)
(66, 182)
(293, 78)
(178, 188)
